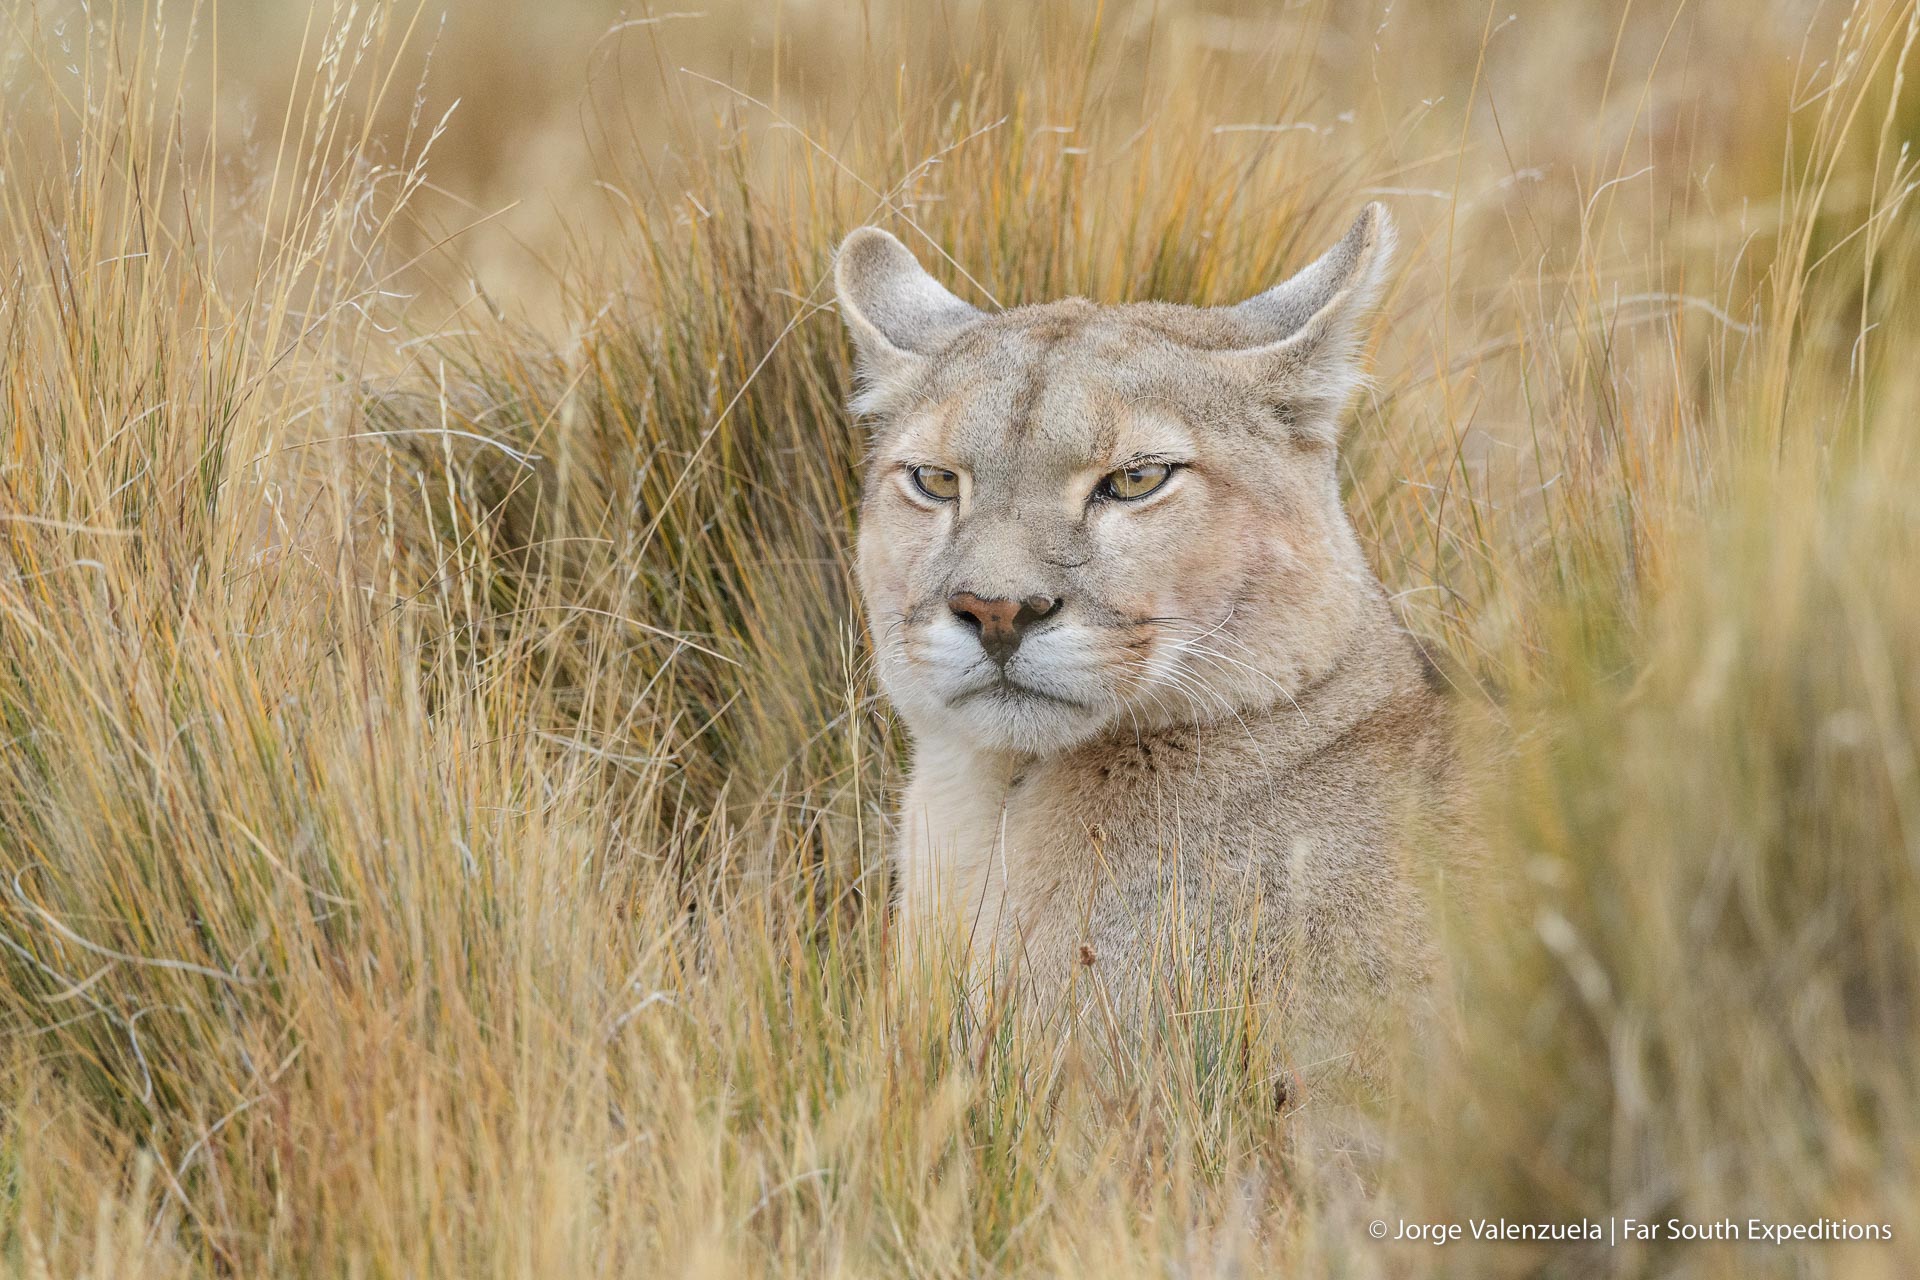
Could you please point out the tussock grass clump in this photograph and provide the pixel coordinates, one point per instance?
(442, 800)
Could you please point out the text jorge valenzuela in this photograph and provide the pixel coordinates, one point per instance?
(1619, 1230)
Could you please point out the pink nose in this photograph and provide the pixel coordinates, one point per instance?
(1001, 623)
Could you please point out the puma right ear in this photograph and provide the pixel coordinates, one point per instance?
(1307, 331)
(896, 313)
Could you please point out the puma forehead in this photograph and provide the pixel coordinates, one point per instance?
(916, 340)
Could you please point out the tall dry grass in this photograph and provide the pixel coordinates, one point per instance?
(445, 806)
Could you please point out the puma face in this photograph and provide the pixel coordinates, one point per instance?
(1083, 518)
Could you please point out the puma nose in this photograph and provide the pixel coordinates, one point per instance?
(1001, 623)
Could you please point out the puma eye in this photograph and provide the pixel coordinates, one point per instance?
(937, 483)
(1133, 482)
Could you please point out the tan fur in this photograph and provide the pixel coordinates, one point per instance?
(1221, 731)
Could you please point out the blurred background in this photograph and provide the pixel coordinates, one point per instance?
(554, 113)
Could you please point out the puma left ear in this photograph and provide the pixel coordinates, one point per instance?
(897, 314)
(1305, 335)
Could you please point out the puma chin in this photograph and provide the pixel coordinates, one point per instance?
(1098, 664)
(1065, 678)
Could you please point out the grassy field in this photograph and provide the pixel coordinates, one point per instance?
(442, 799)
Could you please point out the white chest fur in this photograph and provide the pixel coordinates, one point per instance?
(957, 842)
